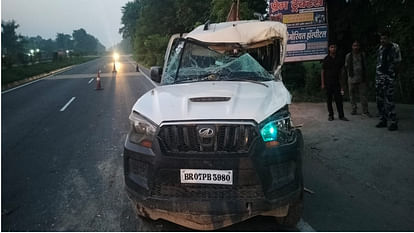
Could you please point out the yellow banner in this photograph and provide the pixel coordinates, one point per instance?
(298, 18)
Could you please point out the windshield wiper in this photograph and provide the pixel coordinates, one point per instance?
(189, 80)
(248, 80)
(208, 77)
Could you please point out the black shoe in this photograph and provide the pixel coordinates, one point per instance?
(343, 119)
(381, 124)
(366, 114)
(354, 112)
(393, 127)
(330, 118)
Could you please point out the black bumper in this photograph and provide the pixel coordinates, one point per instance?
(264, 180)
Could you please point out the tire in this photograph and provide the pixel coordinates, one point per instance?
(143, 223)
(293, 216)
(296, 207)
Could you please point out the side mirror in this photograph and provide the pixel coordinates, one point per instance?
(155, 73)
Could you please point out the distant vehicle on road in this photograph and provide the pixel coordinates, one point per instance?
(214, 144)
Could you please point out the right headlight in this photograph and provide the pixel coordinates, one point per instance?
(277, 129)
(143, 130)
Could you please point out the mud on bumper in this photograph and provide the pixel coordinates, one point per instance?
(266, 181)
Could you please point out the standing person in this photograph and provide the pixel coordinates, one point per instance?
(330, 80)
(355, 68)
(388, 60)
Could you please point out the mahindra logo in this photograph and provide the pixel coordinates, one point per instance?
(206, 132)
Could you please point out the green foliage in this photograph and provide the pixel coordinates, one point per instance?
(12, 44)
(86, 44)
(150, 24)
(17, 49)
(64, 41)
(191, 13)
(130, 14)
(152, 50)
(220, 9)
(303, 80)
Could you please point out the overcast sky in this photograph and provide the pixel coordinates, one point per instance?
(46, 18)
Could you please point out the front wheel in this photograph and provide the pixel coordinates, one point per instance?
(144, 223)
(293, 216)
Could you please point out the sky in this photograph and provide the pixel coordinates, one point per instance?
(46, 18)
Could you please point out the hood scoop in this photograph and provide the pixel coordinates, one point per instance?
(210, 99)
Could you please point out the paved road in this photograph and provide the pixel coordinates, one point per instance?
(62, 170)
(362, 176)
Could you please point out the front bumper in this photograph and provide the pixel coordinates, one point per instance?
(265, 182)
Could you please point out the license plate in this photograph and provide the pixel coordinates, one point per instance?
(200, 176)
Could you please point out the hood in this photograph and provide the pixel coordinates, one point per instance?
(222, 100)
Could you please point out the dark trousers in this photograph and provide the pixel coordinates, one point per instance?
(334, 92)
(385, 97)
(354, 90)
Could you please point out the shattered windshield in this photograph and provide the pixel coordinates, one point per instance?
(191, 62)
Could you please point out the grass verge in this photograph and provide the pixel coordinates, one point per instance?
(22, 72)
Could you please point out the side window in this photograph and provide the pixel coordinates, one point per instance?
(268, 56)
(173, 61)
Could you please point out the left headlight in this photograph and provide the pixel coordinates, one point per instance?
(277, 129)
(143, 131)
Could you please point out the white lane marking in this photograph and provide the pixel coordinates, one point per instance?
(67, 104)
(27, 84)
(90, 81)
(304, 226)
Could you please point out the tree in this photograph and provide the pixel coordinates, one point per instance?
(130, 15)
(11, 44)
(220, 9)
(64, 41)
(84, 43)
(191, 13)
(147, 22)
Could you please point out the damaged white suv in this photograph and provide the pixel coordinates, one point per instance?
(214, 144)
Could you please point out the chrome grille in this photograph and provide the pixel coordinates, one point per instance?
(228, 138)
(207, 191)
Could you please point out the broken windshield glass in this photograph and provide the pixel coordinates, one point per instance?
(191, 62)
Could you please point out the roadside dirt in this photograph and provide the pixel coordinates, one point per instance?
(360, 174)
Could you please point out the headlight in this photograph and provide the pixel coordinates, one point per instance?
(277, 129)
(115, 56)
(143, 131)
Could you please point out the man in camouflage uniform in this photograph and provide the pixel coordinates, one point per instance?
(388, 59)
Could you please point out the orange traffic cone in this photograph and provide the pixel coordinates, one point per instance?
(98, 81)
